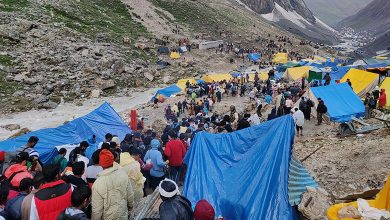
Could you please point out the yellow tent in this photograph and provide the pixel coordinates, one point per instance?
(382, 201)
(295, 73)
(386, 86)
(362, 81)
(263, 76)
(174, 55)
(381, 57)
(280, 58)
(182, 83)
(217, 77)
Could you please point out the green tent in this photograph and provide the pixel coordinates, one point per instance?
(315, 74)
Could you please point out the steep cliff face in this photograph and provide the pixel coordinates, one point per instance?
(294, 16)
(267, 6)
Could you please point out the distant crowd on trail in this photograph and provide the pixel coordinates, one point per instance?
(197, 110)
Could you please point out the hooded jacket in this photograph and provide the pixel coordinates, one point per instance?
(133, 170)
(156, 158)
(382, 99)
(112, 195)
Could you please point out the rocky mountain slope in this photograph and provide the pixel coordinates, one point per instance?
(57, 50)
(333, 11)
(373, 18)
(294, 16)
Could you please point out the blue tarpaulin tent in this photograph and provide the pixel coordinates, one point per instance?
(169, 91)
(338, 72)
(254, 57)
(341, 101)
(243, 174)
(101, 121)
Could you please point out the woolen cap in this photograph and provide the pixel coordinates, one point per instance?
(106, 158)
(204, 211)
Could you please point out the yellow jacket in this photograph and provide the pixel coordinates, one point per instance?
(112, 195)
(133, 169)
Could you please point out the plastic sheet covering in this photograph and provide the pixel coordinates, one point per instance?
(99, 122)
(254, 57)
(386, 86)
(217, 77)
(182, 83)
(297, 73)
(174, 55)
(280, 58)
(168, 91)
(298, 179)
(362, 81)
(339, 72)
(382, 201)
(243, 174)
(341, 101)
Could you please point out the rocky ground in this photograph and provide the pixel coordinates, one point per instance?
(74, 50)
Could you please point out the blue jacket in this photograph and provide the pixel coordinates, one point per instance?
(156, 158)
(13, 207)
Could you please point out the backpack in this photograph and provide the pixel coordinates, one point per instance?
(372, 102)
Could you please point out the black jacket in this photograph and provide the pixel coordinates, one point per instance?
(321, 108)
(176, 208)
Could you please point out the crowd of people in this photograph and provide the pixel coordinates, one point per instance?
(106, 186)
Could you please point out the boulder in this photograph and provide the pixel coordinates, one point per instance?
(314, 204)
(40, 99)
(11, 127)
(148, 76)
(118, 67)
(49, 105)
(20, 133)
(95, 93)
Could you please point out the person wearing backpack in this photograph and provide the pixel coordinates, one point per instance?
(154, 157)
(321, 110)
(29, 147)
(15, 173)
(60, 159)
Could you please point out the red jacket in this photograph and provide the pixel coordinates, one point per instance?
(175, 151)
(382, 99)
(51, 200)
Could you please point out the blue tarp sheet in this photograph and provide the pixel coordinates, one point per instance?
(200, 81)
(243, 174)
(376, 65)
(169, 91)
(254, 57)
(101, 121)
(318, 65)
(339, 72)
(341, 100)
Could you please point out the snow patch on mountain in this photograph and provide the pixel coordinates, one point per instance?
(279, 13)
(244, 5)
(318, 21)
